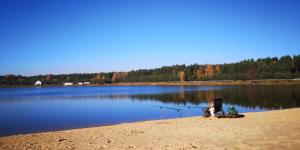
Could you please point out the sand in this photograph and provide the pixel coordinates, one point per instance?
(262, 130)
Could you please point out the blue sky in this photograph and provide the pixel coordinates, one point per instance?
(77, 36)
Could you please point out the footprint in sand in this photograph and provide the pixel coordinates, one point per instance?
(62, 139)
(109, 141)
(136, 131)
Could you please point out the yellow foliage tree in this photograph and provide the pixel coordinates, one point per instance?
(98, 77)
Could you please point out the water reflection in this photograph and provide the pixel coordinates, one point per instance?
(269, 97)
(46, 109)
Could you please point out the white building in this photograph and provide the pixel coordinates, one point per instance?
(80, 83)
(68, 83)
(86, 82)
(38, 83)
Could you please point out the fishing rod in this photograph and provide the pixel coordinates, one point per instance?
(189, 107)
(177, 109)
(194, 107)
(170, 108)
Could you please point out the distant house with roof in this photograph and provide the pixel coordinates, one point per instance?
(68, 83)
(38, 83)
(86, 82)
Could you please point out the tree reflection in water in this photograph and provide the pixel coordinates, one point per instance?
(269, 97)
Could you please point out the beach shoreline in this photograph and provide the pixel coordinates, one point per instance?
(183, 83)
(211, 83)
(278, 129)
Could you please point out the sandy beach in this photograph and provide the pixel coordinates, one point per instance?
(278, 129)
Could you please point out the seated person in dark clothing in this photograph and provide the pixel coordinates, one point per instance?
(218, 108)
(214, 108)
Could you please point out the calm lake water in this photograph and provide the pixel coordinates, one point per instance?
(27, 110)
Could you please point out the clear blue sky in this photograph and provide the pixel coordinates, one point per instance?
(73, 36)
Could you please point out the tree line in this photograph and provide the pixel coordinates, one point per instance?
(285, 67)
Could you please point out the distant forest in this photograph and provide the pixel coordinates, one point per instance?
(285, 67)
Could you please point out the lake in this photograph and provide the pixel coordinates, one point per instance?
(28, 110)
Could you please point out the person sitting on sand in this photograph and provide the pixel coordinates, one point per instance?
(214, 107)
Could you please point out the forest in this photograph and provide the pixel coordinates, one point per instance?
(285, 67)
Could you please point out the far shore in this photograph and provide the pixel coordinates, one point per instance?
(184, 83)
(279, 129)
(215, 82)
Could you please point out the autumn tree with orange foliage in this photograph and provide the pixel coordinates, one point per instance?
(118, 75)
(181, 76)
(209, 71)
(199, 72)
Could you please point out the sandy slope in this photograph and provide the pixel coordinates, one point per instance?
(263, 130)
